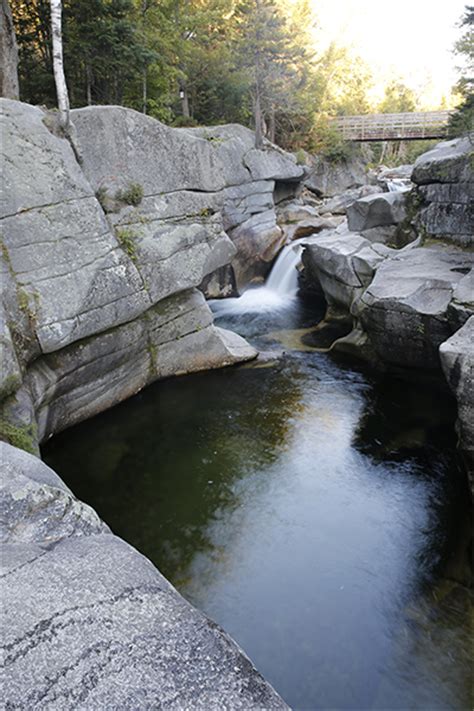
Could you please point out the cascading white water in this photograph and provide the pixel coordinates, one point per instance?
(283, 278)
(278, 292)
(399, 185)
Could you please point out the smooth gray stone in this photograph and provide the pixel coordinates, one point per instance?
(376, 211)
(457, 360)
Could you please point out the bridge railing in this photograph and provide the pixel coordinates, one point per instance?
(373, 127)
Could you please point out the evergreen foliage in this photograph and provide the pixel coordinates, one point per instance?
(203, 62)
(462, 121)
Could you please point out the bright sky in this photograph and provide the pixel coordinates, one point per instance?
(410, 39)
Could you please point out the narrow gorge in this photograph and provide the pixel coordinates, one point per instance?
(309, 497)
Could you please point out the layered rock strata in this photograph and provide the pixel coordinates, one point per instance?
(102, 256)
(445, 192)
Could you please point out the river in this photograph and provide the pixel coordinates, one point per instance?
(314, 510)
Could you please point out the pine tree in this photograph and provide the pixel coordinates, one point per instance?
(462, 121)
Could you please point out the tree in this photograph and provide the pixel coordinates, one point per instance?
(462, 121)
(266, 54)
(58, 66)
(8, 54)
(398, 99)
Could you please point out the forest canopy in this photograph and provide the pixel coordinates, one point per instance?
(201, 62)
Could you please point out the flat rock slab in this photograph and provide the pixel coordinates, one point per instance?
(89, 623)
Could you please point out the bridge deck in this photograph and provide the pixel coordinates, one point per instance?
(394, 127)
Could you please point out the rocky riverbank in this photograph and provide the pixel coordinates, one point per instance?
(400, 271)
(104, 247)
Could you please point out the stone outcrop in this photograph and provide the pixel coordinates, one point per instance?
(213, 170)
(298, 220)
(327, 178)
(376, 211)
(101, 259)
(338, 204)
(444, 179)
(410, 307)
(457, 359)
(89, 623)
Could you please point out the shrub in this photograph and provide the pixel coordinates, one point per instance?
(132, 194)
(126, 237)
(300, 156)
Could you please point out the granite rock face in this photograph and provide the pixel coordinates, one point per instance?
(376, 211)
(409, 307)
(89, 623)
(326, 178)
(444, 179)
(457, 359)
(212, 175)
(101, 259)
(403, 302)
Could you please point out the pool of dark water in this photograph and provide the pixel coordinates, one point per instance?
(315, 511)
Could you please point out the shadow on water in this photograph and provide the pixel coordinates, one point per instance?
(314, 511)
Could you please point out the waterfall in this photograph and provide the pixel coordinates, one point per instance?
(278, 292)
(398, 185)
(283, 278)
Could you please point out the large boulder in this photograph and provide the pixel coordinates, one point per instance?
(258, 240)
(342, 264)
(338, 205)
(89, 623)
(406, 309)
(457, 359)
(378, 210)
(445, 192)
(327, 178)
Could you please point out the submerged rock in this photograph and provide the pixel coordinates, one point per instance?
(90, 623)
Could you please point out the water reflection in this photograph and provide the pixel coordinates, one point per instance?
(307, 508)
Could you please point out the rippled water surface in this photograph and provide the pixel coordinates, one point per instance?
(316, 512)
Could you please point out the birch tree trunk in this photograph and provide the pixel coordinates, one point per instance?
(88, 84)
(8, 54)
(58, 66)
(184, 101)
